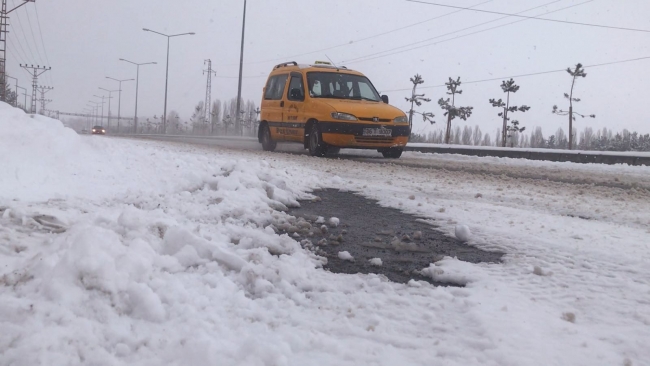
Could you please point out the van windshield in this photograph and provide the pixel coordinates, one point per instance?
(341, 86)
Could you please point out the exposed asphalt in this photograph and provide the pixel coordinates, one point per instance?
(368, 230)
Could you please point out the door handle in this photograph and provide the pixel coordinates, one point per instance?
(282, 104)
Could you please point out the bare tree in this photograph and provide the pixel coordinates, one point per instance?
(449, 105)
(417, 99)
(513, 132)
(477, 135)
(467, 136)
(486, 140)
(507, 87)
(215, 114)
(576, 73)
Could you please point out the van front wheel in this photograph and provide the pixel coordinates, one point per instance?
(392, 153)
(316, 145)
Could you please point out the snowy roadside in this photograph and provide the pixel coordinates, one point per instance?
(167, 258)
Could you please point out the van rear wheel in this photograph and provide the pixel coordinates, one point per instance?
(316, 145)
(267, 141)
(392, 152)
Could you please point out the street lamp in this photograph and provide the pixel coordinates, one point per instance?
(110, 96)
(95, 106)
(103, 102)
(137, 81)
(119, 100)
(241, 68)
(167, 69)
(25, 94)
(11, 77)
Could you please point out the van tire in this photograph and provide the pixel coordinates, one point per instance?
(267, 141)
(392, 152)
(316, 145)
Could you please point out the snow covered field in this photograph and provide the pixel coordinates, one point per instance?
(116, 251)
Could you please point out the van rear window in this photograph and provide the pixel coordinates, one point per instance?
(275, 87)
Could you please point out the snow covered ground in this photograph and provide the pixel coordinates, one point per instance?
(116, 251)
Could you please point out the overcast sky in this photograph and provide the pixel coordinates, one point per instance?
(83, 40)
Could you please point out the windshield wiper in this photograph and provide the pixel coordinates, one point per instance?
(363, 98)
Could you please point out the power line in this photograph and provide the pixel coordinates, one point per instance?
(22, 31)
(362, 59)
(524, 75)
(31, 30)
(450, 33)
(530, 17)
(369, 37)
(40, 31)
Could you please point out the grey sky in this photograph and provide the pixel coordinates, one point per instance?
(84, 40)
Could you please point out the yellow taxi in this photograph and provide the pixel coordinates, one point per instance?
(326, 108)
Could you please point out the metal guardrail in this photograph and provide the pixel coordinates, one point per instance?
(583, 157)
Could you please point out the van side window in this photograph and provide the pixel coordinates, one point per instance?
(296, 89)
(275, 87)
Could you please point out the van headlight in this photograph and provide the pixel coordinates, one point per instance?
(402, 119)
(343, 116)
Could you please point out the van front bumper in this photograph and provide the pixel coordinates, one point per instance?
(346, 134)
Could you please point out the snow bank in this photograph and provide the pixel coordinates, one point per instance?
(120, 252)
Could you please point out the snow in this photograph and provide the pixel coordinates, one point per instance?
(529, 149)
(333, 222)
(346, 256)
(463, 233)
(376, 262)
(116, 251)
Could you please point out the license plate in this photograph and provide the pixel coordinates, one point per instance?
(383, 132)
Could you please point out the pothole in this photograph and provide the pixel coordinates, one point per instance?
(368, 231)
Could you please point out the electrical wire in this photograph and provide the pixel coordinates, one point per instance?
(531, 17)
(523, 75)
(368, 58)
(366, 38)
(40, 31)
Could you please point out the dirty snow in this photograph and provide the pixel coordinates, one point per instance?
(143, 253)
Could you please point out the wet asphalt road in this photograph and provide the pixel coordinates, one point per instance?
(368, 230)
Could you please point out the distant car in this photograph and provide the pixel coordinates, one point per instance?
(99, 130)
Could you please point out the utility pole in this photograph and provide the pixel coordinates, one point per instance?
(43, 90)
(208, 92)
(36, 71)
(3, 44)
(241, 67)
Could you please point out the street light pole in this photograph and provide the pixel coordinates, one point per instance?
(11, 77)
(110, 96)
(25, 94)
(137, 82)
(167, 70)
(103, 102)
(241, 67)
(119, 101)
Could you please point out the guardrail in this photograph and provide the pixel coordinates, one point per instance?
(583, 157)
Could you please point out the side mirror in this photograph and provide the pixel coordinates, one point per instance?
(384, 98)
(296, 94)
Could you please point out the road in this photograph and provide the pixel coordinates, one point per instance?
(577, 174)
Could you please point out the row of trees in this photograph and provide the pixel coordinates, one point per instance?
(588, 139)
(511, 128)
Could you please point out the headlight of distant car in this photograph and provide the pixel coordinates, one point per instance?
(402, 119)
(94, 131)
(103, 131)
(343, 116)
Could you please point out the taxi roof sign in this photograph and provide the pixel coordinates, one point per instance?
(322, 63)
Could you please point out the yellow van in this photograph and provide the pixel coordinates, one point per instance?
(326, 108)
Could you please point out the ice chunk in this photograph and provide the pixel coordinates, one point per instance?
(376, 262)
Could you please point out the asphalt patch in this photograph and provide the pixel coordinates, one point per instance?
(367, 230)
